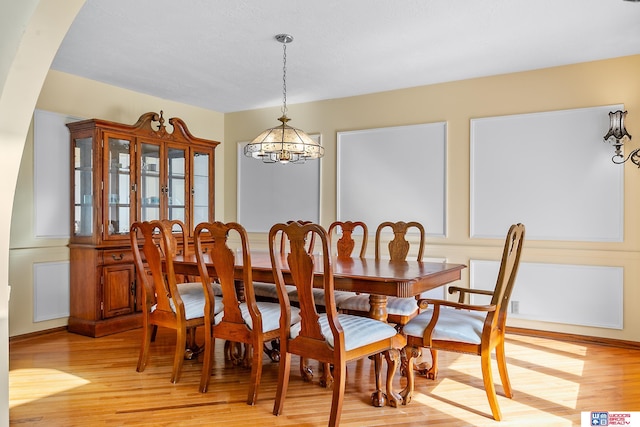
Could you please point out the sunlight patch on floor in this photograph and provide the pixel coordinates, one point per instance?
(28, 385)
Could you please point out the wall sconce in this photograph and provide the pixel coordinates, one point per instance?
(618, 132)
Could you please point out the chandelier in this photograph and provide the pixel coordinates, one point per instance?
(283, 143)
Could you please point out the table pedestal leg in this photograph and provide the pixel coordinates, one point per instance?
(378, 307)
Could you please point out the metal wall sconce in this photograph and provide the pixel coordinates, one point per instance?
(617, 132)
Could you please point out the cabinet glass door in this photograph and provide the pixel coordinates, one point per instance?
(201, 186)
(118, 186)
(83, 186)
(150, 181)
(176, 183)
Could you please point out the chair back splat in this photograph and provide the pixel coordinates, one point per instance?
(469, 328)
(346, 243)
(327, 337)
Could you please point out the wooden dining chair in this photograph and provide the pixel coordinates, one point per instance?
(469, 328)
(165, 301)
(244, 320)
(328, 337)
(399, 310)
(267, 291)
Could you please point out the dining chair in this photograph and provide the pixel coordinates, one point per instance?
(329, 337)
(469, 328)
(244, 320)
(267, 291)
(399, 310)
(165, 301)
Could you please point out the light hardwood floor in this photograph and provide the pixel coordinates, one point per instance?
(63, 379)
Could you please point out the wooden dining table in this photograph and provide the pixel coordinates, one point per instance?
(379, 278)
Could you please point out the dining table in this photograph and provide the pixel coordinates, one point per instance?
(380, 278)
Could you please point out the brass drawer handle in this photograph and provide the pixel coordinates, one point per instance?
(117, 257)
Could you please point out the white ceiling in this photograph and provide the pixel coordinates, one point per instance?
(222, 55)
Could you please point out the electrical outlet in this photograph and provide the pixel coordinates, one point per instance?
(515, 307)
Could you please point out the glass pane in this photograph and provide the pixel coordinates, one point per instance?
(83, 187)
(150, 182)
(119, 186)
(177, 183)
(200, 187)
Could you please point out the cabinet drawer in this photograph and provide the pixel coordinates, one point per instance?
(117, 256)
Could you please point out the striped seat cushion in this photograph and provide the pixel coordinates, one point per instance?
(270, 312)
(192, 295)
(268, 290)
(396, 306)
(318, 296)
(453, 325)
(358, 331)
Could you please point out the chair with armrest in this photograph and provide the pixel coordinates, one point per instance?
(468, 328)
(329, 337)
(399, 310)
(165, 301)
(243, 320)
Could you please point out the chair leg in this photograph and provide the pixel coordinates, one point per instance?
(487, 378)
(432, 372)
(326, 380)
(378, 399)
(502, 369)
(207, 362)
(305, 370)
(181, 342)
(283, 381)
(147, 333)
(339, 383)
(256, 371)
(393, 360)
(411, 353)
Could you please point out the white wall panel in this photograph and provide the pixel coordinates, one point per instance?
(585, 295)
(393, 174)
(269, 193)
(551, 171)
(50, 290)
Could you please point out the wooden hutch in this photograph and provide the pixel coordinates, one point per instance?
(120, 174)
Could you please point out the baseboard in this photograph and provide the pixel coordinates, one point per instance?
(634, 345)
(31, 335)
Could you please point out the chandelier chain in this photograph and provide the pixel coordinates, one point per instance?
(284, 78)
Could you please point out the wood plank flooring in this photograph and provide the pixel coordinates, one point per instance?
(64, 379)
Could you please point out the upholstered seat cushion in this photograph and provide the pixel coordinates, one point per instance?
(358, 330)
(396, 306)
(318, 296)
(268, 290)
(192, 295)
(453, 325)
(270, 312)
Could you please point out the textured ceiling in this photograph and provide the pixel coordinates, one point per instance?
(222, 55)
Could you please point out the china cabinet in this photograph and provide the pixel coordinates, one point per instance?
(120, 174)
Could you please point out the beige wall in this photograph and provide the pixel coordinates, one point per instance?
(575, 86)
(74, 96)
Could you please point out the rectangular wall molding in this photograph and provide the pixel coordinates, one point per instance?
(50, 290)
(551, 171)
(583, 295)
(272, 193)
(393, 174)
